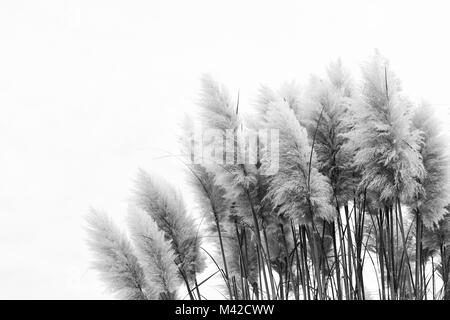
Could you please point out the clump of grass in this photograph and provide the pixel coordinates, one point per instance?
(362, 183)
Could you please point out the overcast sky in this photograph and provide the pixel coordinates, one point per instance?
(92, 90)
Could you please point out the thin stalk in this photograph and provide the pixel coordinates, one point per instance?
(402, 232)
(304, 248)
(343, 251)
(336, 259)
(288, 269)
(418, 256)
(298, 267)
(315, 258)
(350, 248)
(272, 281)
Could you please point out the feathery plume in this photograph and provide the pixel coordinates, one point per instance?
(115, 259)
(216, 108)
(436, 183)
(298, 189)
(165, 205)
(386, 144)
(439, 236)
(155, 254)
(327, 103)
(209, 194)
(237, 178)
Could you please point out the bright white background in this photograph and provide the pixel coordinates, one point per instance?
(92, 90)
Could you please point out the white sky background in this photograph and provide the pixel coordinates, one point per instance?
(91, 90)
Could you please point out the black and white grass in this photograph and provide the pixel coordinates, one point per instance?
(358, 208)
